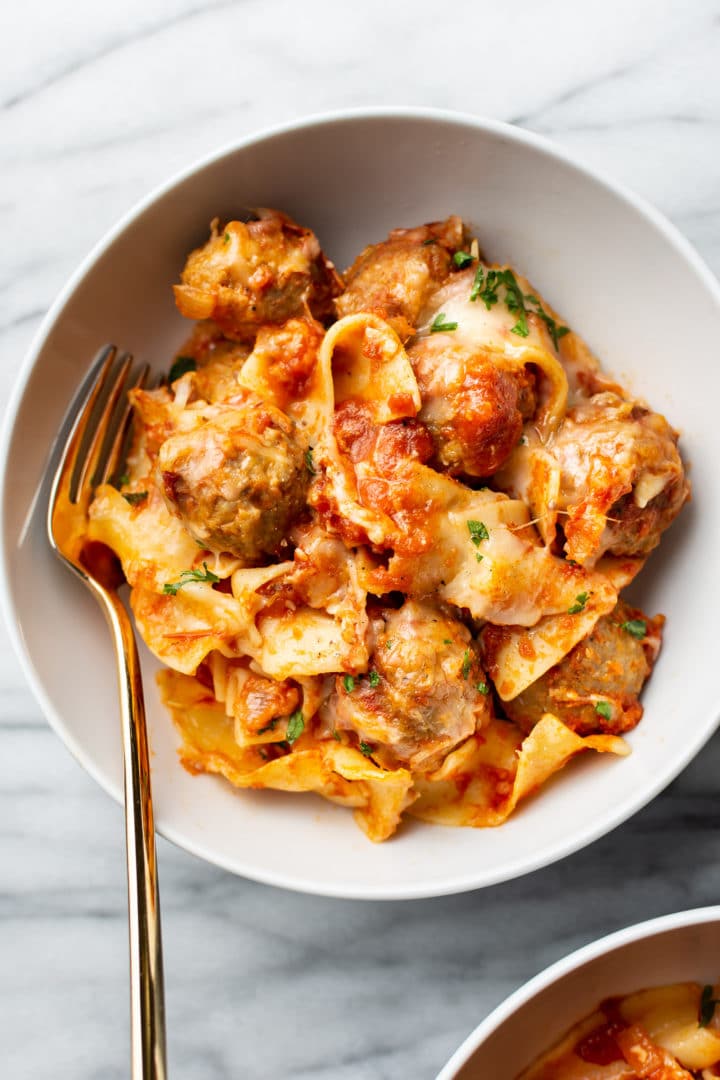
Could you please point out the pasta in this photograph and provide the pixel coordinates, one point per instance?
(375, 527)
(664, 1033)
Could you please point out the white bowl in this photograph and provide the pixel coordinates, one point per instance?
(613, 267)
(683, 947)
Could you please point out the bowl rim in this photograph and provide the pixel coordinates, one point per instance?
(473, 879)
(609, 943)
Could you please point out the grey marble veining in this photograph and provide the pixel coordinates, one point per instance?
(97, 105)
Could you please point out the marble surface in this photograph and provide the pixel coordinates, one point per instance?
(97, 105)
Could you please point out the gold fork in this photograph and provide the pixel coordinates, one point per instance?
(93, 454)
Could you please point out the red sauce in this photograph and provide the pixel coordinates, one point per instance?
(599, 1047)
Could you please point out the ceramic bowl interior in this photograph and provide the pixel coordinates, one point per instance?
(614, 269)
(677, 948)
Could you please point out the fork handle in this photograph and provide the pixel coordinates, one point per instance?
(147, 992)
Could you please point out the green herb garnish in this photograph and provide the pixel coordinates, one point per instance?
(309, 463)
(462, 259)
(637, 628)
(226, 238)
(188, 577)
(482, 688)
(466, 664)
(604, 709)
(336, 735)
(268, 727)
(478, 531)
(515, 303)
(440, 325)
(295, 728)
(348, 683)
(122, 481)
(447, 641)
(580, 601)
(181, 366)
(135, 497)
(374, 679)
(486, 287)
(707, 1006)
(366, 748)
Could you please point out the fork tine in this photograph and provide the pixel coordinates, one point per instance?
(118, 449)
(69, 460)
(89, 467)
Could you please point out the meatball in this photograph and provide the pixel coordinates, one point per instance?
(473, 408)
(215, 361)
(425, 691)
(238, 481)
(622, 480)
(394, 279)
(262, 271)
(595, 687)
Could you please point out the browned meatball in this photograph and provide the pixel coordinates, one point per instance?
(265, 271)
(215, 361)
(238, 481)
(425, 691)
(394, 279)
(595, 687)
(622, 480)
(473, 408)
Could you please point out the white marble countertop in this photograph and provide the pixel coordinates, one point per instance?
(98, 104)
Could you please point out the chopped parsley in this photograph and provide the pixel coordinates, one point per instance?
(447, 641)
(478, 557)
(462, 259)
(374, 679)
(580, 601)
(296, 726)
(122, 481)
(135, 497)
(348, 683)
(309, 463)
(555, 331)
(389, 643)
(268, 727)
(707, 1006)
(515, 303)
(486, 286)
(430, 240)
(181, 366)
(637, 628)
(366, 748)
(482, 688)
(188, 577)
(466, 664)
(441, 325)
(336, 735)
(478, 531)
(604, 709)
(226, 238)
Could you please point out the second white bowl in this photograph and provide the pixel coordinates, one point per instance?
(683, 947)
